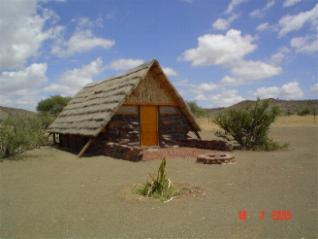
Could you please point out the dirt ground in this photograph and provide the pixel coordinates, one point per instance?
(53, 194)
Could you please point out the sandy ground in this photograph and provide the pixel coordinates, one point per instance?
(53, 194)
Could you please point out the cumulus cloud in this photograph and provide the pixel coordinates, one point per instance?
(290, 90)
(82, 40)
(23, 30)
(291, 23)
(229, 51)
(224, 24)
(18, 87)
(220, 49)
(306, 44)
(314, 88)
(73, 80)
(289, 3)
(169, 71)
(27, 78)
(254, 70)
(125, 64)
(234, 4)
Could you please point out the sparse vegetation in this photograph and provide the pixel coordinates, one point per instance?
(250, 126)
(196, 109)
(305, 111)
(159, 186)
(19, 134)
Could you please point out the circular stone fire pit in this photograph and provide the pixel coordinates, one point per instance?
(215, 158)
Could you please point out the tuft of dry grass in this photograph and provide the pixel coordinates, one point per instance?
(292, 120)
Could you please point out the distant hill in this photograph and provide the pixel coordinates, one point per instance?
(285, 106)
(7, 111)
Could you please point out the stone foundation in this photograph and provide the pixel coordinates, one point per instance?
(125, 152)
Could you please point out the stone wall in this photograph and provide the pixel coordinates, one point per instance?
(123, 129)
(173, 128)
(119, 151)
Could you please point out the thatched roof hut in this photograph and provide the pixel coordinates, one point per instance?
(140, 107)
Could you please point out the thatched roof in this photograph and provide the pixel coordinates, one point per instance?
(92, 108)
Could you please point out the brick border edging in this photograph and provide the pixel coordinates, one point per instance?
(134, 153)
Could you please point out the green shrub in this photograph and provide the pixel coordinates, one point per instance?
(159, 186)
(305, 111)
(249, 127)
(20, 134)
(196, 109)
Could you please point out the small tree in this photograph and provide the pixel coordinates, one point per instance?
(53, 105)
(249, 127)
(196, 109)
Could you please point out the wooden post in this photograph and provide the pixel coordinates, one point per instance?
(86, 146)
(197, 134)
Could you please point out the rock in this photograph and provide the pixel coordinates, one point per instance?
(215, 158)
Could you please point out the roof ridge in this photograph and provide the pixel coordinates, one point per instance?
(124, 74)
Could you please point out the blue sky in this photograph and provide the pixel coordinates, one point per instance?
(215, 52)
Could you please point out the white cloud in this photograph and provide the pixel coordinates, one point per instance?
(314, 88)
(73, 80)
(263, 26)
(223, 99)
(205, 87)
(125, 64)
(291, 23)
(22, 32)
(257, 13)
(18, 87)
(27, 78)
(270, 4)
(229, 51)
(228, 80)
(278, 57)
(307, 44)
(82, 40)
(261, 12)
(289, 3)
(289, 90)
(254, 70)
(169, 71)
(224, 24)
(234, 4)
(220, 49)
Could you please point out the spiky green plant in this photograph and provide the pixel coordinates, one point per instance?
(159, 186)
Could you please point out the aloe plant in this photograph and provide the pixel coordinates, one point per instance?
(159, 186)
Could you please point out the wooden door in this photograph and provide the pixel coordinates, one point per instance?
(148, 125)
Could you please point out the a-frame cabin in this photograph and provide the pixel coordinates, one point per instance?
(140, 108)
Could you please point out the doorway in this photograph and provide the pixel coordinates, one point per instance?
(148, 125)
